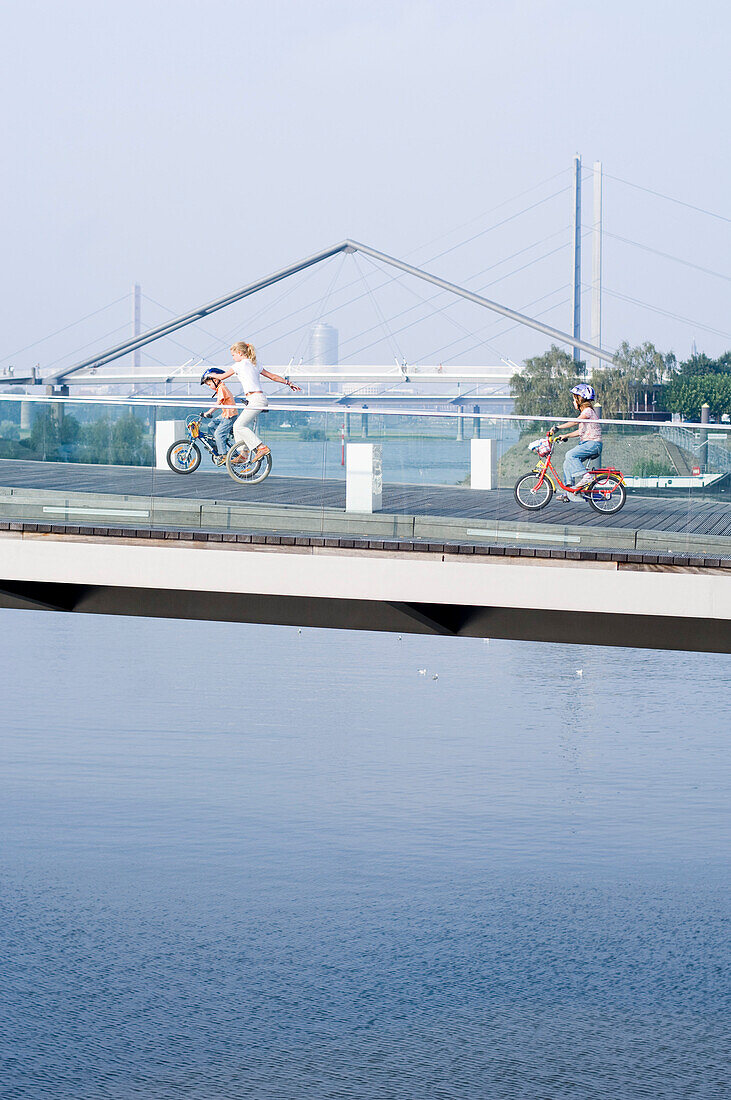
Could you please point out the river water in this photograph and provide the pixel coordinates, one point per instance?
(246, 861)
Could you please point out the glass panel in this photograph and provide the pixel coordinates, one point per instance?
(283, 495)
(67, 460)
(443, 476)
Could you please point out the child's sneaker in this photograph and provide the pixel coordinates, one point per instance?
(563, 497)
(585, 481)
(219, 460)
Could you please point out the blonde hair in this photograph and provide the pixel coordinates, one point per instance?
(247, 350)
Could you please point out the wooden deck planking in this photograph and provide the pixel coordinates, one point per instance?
(639, 513)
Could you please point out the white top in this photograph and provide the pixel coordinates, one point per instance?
(248, 374)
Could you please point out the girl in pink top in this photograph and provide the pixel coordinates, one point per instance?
(589, 431)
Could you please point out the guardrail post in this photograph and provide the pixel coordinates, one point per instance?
(476, 422)
(703, 449)
(363, 477)
(483, 464)
(166, 432)
(460, 427)
(26, 417)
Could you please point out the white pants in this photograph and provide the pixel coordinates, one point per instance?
(242, 432)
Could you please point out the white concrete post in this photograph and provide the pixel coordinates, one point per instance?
(166, 432)
(483, 464)
(363, 477)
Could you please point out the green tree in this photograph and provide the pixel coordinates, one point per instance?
(542, 388)
(122, 442)
(635, 369)
(700, 364)
(54, 433)
(127, 441)
(687, 395)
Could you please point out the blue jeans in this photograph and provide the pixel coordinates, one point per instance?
(220, 433)
(573, 464)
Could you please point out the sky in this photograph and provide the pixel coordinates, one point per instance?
(194, 147)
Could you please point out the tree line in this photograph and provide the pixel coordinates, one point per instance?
(57, 435)
(541, 388)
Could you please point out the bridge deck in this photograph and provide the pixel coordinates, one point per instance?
(683, 515)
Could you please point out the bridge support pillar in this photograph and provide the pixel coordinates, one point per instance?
(363, 477)
(483, 464)
(166, 432)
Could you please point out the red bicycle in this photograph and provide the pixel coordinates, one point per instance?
(605, 492)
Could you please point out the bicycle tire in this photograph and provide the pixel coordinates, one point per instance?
(611, 504)
(244, 473)
(527, 484)
(195, 459)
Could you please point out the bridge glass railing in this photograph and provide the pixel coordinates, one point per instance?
(421, 475)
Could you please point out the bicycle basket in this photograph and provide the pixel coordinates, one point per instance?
(194, 427)
(542, 447)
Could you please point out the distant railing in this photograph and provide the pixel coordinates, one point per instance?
(704, 450)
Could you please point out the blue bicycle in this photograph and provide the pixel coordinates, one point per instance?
(184, 455)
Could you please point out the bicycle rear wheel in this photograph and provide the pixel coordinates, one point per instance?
(529, 494)
(242, 469)
(607, 495)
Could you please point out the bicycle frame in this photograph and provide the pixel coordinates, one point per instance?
(193, 430)
(547, 470)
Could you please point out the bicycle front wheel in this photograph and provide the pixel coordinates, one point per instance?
(607, 495)
(532, 495)
(183, 456)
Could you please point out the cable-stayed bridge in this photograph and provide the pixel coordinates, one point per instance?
(390, 506)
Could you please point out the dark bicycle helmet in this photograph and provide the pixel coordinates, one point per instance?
(584, 391)
(211, 374)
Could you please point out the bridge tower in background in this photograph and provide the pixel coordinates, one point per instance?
(576, 225)
(596, 266)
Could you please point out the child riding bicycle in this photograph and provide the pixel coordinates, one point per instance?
(226, 407)
(589, 431)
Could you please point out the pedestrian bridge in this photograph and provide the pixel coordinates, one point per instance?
(408, 525)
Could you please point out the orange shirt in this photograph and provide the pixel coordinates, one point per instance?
(225, 399)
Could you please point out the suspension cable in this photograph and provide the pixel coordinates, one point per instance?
(669, 198)
(665, 312)
(448, 305)
(379, 314)
(492, 324)
(667, 256)
(65, 329)
(90, 344)
(452, 320)
(484, 214)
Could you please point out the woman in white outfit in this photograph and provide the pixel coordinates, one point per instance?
(249, 374)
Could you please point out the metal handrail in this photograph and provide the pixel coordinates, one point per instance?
(294, 406)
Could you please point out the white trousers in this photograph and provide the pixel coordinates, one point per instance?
(242, 432)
